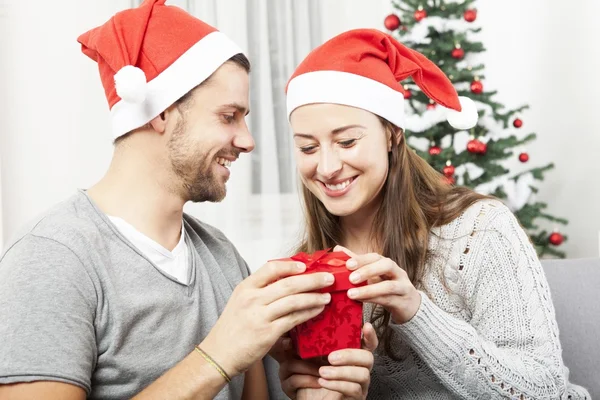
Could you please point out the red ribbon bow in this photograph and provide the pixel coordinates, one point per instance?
(334, 259)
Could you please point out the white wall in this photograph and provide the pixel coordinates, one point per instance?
(3, 100)
(543, 53)
(55, 134)
(55, 127)
(549, 59)
(341, 15)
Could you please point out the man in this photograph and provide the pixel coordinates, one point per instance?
(116, 293)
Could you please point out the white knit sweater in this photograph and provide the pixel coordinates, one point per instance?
(493, 335)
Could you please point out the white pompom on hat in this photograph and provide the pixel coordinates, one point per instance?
(151, 56)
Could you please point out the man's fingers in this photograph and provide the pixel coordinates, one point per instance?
(273, 271)
(297, 284)
(295, 303)
(287, 322)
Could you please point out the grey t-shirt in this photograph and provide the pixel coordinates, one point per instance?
(80, 304)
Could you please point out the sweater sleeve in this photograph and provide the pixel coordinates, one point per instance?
(511, 346)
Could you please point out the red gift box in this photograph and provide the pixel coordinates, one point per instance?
(339, 325)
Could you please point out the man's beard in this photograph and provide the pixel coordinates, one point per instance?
(198, 180)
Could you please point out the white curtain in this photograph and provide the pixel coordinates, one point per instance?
(261, 212)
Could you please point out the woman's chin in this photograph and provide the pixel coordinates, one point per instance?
(338, 206)
(339, 211)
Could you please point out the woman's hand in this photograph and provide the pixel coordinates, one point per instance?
(387, 285)
(346, 377)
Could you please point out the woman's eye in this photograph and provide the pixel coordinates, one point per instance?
(348, 143)
(308, 149)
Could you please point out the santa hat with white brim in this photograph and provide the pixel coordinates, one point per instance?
(363, 68)
(151, 56)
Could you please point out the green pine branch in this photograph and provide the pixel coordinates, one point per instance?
(537, 172)
(438, 47)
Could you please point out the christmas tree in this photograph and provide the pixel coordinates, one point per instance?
(445, 32)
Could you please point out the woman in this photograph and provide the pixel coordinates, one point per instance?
(455, 289)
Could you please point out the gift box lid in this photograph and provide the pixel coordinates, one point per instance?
(326, 261)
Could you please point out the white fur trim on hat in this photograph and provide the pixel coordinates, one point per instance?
(467, 117)
(192, 68)
(347, 89)
(130, 83)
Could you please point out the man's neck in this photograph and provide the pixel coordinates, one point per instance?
(139, 192)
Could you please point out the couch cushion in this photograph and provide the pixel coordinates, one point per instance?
(575, 288)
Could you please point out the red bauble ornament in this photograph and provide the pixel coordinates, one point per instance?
(392, 22)
(431, 106)
(476, 147)
(482, 148)
(473, 146)
(435, 150)
(523, 157)
(449, 180)
(458, 53)
(448, 170)
(420, 14)
(477, 87)
(470, 15)
(407, 93)
(556, 239)
(517, 123)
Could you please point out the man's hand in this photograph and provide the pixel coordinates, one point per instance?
(262, 308)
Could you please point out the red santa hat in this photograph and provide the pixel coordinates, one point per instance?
(150, 56)
(363, 68)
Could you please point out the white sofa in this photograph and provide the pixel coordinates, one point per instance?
(575, 289)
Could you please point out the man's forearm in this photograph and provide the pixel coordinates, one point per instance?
(191, 378)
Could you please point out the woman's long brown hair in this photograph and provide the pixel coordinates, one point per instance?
(415, 199)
